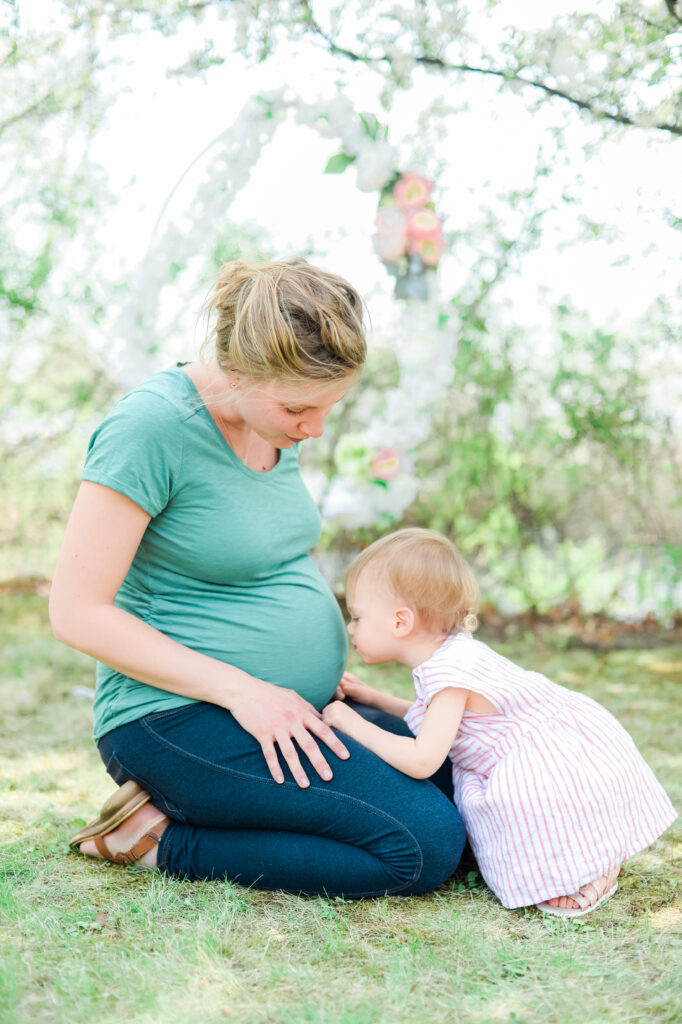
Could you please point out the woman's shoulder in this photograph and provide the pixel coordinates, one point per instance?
(171, 388)
(154, 410)
(138, 449)
(152, 413)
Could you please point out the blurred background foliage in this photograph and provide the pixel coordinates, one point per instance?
(555, 467)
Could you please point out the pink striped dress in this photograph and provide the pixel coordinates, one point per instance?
(552, 790)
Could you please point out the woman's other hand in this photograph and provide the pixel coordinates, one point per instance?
(276, 715)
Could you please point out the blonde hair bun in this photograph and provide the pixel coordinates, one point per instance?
(286, 321)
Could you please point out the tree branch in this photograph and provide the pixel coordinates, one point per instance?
(26, 112)
(671, 5)
(507, 76)
(600, 115)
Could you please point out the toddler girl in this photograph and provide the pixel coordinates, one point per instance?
(553, 792)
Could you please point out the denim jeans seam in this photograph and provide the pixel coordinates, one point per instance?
(417, 853)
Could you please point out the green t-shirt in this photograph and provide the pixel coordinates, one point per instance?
(224, 564)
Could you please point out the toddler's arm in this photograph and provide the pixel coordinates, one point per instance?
(418, 757)
(363, 693)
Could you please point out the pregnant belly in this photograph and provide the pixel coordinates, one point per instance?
(289, 632)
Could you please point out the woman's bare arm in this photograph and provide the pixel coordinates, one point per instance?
(103, 533)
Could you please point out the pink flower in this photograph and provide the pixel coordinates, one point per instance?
(411, 190)
(423, 224)
(430, 250)
(425, 236)
(385, 464)
(390, 240)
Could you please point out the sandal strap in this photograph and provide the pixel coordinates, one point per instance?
(131, 856)
(588, 895)
(102, 848)
(581, 897)
(142, 846)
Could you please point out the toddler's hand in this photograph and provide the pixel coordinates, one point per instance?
(351, 686)
(340, 716)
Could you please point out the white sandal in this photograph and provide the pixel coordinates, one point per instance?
(581, 897)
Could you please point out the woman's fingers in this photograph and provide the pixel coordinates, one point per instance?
(311, 750)
(323, 732)
(291, 757)
(309, 747)
(281, 719)
(271, 759)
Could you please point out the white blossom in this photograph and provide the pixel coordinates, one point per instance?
(350, 503)
(566, 66)
(354, 138)
(375, 166)
(316, 483)
(397, 496)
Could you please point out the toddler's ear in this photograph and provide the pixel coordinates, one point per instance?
(404, 621)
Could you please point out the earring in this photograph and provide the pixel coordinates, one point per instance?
(234, 383)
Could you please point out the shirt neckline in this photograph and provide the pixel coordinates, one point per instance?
(231, 453)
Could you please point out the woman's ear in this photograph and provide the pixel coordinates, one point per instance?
(404, 621)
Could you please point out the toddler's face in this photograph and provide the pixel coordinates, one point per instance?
(372, 607)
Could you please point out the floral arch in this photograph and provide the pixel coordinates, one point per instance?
(374, 477)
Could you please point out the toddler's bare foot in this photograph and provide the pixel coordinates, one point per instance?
(145, 820)
(588, 895)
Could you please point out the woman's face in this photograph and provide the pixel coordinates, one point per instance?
(284, 414)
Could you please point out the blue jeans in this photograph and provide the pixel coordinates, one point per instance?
(370, 831)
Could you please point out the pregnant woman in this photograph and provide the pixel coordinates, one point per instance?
(185, 571)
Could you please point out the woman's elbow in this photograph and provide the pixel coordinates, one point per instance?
(64, 622)
(60, 628)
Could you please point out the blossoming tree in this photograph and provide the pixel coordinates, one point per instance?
(476, 466)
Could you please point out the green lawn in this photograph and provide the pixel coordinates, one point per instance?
(84, 942)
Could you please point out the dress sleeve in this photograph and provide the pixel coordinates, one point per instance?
(137, 450)
(429, 679)
(440, 676)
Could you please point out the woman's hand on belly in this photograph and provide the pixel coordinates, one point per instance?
(276, 715)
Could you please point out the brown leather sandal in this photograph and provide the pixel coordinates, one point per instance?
(120, 805)
(142, 846)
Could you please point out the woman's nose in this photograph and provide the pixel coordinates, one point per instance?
(313, 425)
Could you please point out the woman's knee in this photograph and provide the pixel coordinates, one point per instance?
(438, 837)
(442, 853)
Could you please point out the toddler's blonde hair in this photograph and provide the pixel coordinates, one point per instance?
(426, 571)
(286, 321)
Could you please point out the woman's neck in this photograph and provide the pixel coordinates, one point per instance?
(221, 401)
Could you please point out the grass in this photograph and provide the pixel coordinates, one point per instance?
(84, 941)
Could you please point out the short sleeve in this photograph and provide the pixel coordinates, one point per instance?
(137, 450)
(439, 677)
